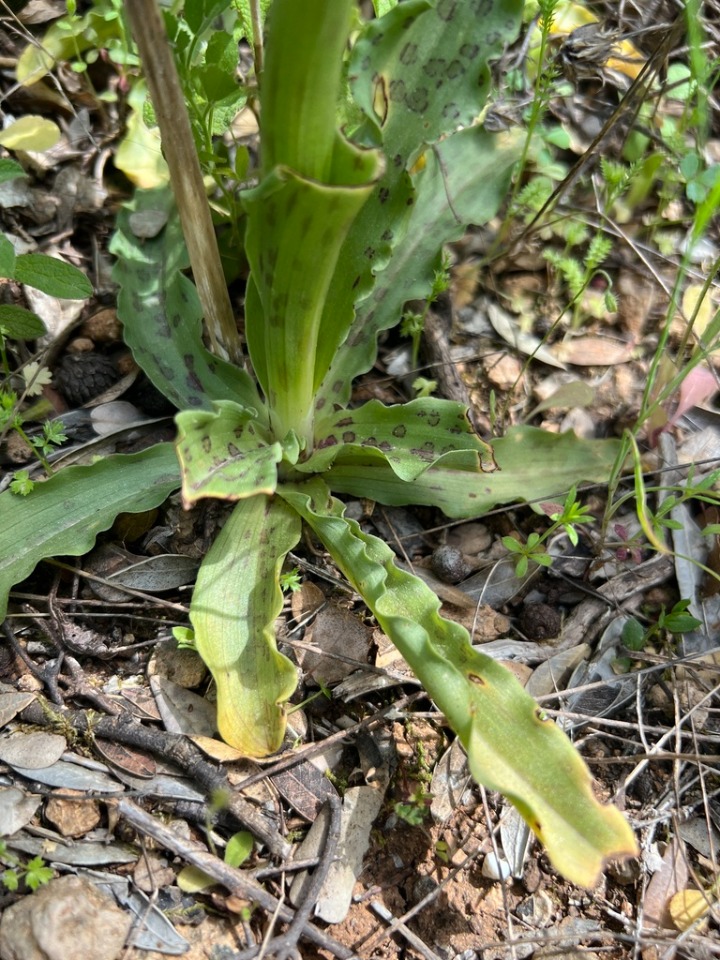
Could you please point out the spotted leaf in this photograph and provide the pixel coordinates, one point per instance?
(411, 437)
(225, 454)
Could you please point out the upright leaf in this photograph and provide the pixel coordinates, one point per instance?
(236, 600)
(160, 310)
(464, 180)
(314, 183)
(511, 746)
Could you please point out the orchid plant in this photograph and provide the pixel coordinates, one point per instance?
(340, 232)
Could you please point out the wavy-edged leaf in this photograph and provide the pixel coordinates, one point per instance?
(225, 454)
(511, 746)
(463, 180)
(237, 597)
(161, 313)
(533, 464)
(63, 515)
(411, 436)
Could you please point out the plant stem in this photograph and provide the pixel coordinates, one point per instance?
(185, 174)
(257, 28)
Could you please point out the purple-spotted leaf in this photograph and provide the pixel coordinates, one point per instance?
(512, 747)
(462, 180)
(236, 600)
(532, 464)
(313, 185)
(225, 454)
(411, 437)
(161, 313)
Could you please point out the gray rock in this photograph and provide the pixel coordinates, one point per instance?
(68, 919)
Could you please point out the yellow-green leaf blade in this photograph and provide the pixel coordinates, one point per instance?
(511, 748)
(236, 600)
(225, 454)
(411, 436)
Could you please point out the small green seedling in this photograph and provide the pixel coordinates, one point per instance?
(34, 873)
(675, 622)
(566, 517)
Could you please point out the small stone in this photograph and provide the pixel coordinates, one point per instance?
(503, 371)
(183, 667)
(68, 919)
(495, 868)
(448, 563)
(72, 818)
(80, 345)
(103, 327)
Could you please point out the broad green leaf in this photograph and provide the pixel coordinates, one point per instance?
(52, 276)
(463, 181)
(411, 437)
(291, 219)
(30, 133)
(7, 258)
(533, 464)
(10, 170)
(512, 747)
(63, 515)
(421, 72)
(236, 600)
(225, 454)
(161, 313)
(418, 73)
(20, 324)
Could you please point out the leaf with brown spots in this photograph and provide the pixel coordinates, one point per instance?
(533, 463)
(225, 454)
(411, 437)
(162, 318)
(510, 748)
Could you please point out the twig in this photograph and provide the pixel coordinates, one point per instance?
(256, 20)
(230, 877)
(179, 750)
(312, 892)
(412, 938)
